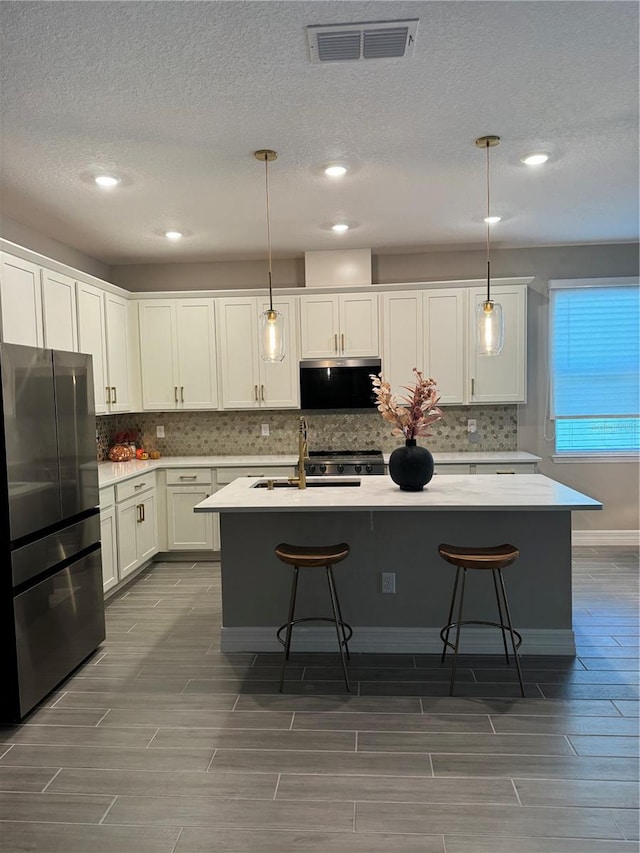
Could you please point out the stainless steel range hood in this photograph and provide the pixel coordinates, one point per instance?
(338, 268)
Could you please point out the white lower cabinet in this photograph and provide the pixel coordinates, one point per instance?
(108, 538)
(137, 523)
(486, 468)
(188, 530)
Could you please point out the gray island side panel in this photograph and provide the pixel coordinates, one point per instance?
(256, 584)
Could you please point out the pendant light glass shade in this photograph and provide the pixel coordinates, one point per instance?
(272, 342)
(489, 328)
(489, 317)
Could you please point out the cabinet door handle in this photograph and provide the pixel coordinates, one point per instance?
(473, 387)
(342, 339)
(142, 508)
(262, 393)
(335, 341)
(138, 485)
(182, 393)
(113, 391)
(505, 472)
(255, 392)
(139, 510)
(108, 390)
(175, 393)
(188, 476)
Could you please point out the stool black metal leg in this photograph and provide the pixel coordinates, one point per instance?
(457, 645)
(332, 593)
(453, 598)
(287, 642)
(504, 634)
(332, 583)
(513, 639)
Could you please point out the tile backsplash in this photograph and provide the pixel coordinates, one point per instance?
(238, 433)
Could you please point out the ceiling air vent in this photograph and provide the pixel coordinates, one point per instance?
(367, 40)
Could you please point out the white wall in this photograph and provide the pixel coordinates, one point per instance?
(22, 235)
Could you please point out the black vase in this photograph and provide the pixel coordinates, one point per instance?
(411, 467)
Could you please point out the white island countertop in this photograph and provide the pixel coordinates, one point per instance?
(466, 492)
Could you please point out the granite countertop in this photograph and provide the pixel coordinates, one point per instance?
(110, 473)
(114, 472)
(495, 457)
(526, 492)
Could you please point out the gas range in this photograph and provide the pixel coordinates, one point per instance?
(344, 462)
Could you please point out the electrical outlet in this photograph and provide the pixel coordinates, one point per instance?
(159, 432)
(389, 582)
(472, 425)
(264, 430)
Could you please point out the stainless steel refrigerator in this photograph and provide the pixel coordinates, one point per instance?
(51, 599)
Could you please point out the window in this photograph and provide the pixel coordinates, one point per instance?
(595, 375)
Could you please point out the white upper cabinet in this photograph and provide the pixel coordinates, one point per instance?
(103, 333)
(178, 354)
(246, 381)
(433, 330)
(117, 325)
(20, 302)
(444, 337)
(402, 347)
(425, 329)
(59, 311)
(344, 324)
(500, 378)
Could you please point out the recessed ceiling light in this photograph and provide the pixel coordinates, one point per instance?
(534, 159)
(491, 220)
(335, 171)
(173, 235)
(340, 227)
(106, 181)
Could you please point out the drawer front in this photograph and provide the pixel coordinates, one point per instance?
(513, 468)
(228, 475)
(135, 486)
(107, 497)
(188, 476)
(453, 468)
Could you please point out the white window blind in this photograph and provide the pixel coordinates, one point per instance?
(595, 363)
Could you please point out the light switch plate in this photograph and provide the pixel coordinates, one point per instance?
(264, 430)
(159, 432)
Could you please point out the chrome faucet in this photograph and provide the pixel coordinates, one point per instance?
(303, 455)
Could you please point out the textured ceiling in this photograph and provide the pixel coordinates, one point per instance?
(175, 96)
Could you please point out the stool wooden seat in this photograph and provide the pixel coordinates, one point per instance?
(305, 557)
(493, 558)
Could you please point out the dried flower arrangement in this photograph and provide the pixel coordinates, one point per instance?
(411, 415)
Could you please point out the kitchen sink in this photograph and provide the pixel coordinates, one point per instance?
(318, 482)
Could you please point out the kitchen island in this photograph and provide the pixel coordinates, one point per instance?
(394, 531)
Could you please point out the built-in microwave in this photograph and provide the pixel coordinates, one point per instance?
(338, 383)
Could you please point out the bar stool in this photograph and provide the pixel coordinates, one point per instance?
(494, 558)
(303, 557)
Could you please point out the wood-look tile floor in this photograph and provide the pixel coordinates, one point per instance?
(160, 744)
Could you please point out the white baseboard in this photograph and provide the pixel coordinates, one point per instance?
(488, 641)
(606, 537)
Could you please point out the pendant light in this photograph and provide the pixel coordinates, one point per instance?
(271, 321)
(489, 318)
